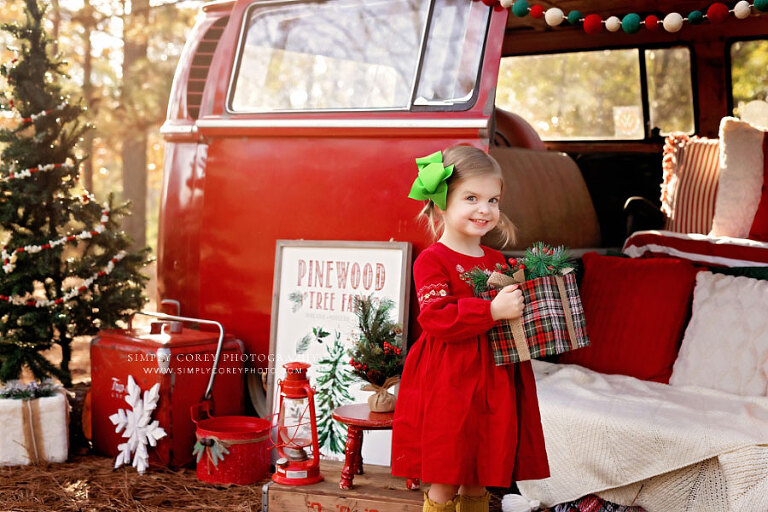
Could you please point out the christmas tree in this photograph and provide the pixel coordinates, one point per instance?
(66, 268)
(378, 352)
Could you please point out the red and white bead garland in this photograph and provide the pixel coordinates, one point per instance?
(70, 294)
(35, 117)
(9, 259)
(26, 173)
(631, 23)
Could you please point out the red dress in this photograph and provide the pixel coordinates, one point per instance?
(460, 419)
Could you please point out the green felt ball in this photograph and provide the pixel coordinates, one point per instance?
(761, 5)
(520, 8)
(695, 17)
(631, 23)
(574, 17)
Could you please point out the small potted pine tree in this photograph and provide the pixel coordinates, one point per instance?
(377, 354)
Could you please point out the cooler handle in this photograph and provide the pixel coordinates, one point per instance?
(163, 316)
(201, 411)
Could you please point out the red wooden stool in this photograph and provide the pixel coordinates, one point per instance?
(358, 417)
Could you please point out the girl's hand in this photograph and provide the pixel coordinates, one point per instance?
(508, 304)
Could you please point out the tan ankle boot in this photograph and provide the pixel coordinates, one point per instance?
(431, 506)
(474, 503)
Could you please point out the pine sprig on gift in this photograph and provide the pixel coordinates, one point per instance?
(477, 278)
(540, 260)
(377, 353)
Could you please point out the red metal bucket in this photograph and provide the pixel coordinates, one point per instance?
(231, 449)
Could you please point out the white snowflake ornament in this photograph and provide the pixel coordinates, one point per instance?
(137, 427)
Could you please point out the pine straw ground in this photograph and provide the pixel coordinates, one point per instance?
(90, 484)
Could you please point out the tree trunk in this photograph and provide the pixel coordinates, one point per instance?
(134, 154)
(88, 24)
(56, 20)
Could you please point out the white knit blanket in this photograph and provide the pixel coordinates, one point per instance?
(661, 447)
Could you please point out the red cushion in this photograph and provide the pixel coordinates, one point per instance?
(759, 229)
(636, 310)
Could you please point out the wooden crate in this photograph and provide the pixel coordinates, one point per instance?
(374, 491)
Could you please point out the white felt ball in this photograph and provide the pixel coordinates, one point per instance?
(507, 3)
(517, 503)
(741, 10)
(612, 24)
(554, 16)
(673, 22)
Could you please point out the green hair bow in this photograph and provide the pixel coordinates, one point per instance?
(431, 181)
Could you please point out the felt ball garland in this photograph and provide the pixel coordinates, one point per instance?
(673, 22)
(631, 23)
(593, 24)
(717, 13)
(652, 22)
(613, 24)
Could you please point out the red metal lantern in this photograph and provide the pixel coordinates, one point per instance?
(297, 443)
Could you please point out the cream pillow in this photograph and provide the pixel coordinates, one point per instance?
(741, 178)
(725, 345)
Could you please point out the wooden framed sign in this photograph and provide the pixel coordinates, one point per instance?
(313, 321)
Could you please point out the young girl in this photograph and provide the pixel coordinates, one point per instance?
(462, 423)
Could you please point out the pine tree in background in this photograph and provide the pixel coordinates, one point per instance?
(66, 269)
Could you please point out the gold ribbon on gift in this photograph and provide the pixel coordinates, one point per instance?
(33, 431)
(499, 280)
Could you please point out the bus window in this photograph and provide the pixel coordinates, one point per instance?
(453, 54)
(670, 95)
(340, 54)
(749, 77)
(597, 95)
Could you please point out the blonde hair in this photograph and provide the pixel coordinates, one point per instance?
(469, 162)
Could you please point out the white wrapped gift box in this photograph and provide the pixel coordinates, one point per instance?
(34, 430)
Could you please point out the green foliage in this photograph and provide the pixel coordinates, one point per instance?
(378, 351)
(540, 260)
(333, 382)
(749, 72)
(20, 391)
(50, 205)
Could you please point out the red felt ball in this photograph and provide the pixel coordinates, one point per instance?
(652, 22)
(717, 13)
(537, 11)
(489, 3)
(593, 24)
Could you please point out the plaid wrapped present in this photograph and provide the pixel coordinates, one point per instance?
(552, 321)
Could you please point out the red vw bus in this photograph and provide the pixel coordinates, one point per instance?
(301, 120)
(297, 119)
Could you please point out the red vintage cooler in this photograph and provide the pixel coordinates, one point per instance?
(182, 362)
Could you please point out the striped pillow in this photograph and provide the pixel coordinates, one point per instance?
(701, 249)
(689, 188)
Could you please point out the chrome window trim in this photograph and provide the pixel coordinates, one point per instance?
(167, 129)
(471, 123)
